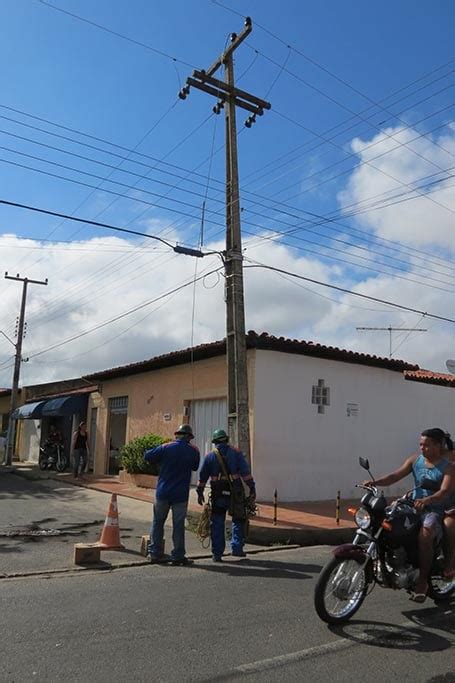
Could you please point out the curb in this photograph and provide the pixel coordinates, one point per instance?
(286, 536)
(257, 535)
(107, 566)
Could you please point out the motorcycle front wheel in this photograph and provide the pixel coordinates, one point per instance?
(62, 464)
(340, 590)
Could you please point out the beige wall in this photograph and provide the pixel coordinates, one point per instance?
(157, 399)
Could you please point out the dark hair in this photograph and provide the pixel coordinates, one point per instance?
(439, 436)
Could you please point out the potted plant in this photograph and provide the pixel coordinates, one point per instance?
(135, 469)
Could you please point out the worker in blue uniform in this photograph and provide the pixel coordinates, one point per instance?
(177, 459)
(222, 481)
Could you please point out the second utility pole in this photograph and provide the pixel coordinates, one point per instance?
(10, 439)
(229, 97)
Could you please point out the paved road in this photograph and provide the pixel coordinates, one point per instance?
(27, 508)
(251, 619)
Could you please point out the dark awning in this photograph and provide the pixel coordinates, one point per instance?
(29, 411)
(66, 405)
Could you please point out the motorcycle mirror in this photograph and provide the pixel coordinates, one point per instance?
(364, 463)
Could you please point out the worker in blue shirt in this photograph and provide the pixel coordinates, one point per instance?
(177, 459)
(237, 469)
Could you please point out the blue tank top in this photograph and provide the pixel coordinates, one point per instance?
(435, 473)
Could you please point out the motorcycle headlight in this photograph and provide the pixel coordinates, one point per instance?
(362, 518)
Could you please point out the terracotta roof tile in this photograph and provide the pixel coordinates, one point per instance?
(263, 341)
(429, 377)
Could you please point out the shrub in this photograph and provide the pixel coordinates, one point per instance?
(132, 454)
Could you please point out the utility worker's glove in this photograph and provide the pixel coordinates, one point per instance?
(252, 487)
(200, 495)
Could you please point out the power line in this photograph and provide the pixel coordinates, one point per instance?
(350, 292)
(95, 223)
(116, 33)
(120, 316)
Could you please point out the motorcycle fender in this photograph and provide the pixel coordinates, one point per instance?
(349, 551)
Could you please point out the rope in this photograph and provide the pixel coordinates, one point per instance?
(203, 527)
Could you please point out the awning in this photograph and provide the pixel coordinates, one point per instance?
(31, 411)
(66, 405)
(62, 405)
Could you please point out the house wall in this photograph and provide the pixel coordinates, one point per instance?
(157, 399)
(310, 456)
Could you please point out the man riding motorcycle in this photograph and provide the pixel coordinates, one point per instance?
(432, 463)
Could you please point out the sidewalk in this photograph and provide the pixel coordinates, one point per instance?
(301, 523)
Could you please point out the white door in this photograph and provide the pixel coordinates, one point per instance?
(205, 416)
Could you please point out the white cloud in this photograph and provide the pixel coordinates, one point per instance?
(97, 279)
(393, 165)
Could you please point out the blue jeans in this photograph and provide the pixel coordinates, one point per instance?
(160, 512)
(80, 460)
(217, 533)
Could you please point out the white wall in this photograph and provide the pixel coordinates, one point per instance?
(308, 456)
(30, 442)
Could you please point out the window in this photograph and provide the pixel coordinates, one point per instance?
(320, 395)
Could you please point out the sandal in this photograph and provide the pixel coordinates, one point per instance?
(418, 597)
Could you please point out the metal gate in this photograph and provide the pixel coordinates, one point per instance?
(205, 416)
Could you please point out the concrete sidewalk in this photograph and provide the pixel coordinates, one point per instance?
(302, 523)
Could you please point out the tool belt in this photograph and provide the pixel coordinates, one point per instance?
(233, 488)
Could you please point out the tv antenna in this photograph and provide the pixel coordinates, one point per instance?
(391, 329)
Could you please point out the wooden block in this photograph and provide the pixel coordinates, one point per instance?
(144, 545)
(86, 553)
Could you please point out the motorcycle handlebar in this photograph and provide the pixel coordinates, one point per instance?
(372, 488)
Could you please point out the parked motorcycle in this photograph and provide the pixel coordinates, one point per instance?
(384, 552)
(52, 457)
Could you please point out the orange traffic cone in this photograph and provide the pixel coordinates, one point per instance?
(110, 535)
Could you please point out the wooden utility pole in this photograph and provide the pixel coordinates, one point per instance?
(17, 365)
(229, 97)
(390, 330)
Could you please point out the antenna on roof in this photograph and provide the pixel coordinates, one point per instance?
(390, 330)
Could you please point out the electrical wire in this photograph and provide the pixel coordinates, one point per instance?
(99, 26)
(352, 293)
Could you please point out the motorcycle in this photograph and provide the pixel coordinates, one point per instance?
(384, 552)
(52, 457)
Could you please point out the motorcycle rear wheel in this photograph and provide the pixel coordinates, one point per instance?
(340, 590)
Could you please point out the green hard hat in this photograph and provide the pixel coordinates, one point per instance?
(185, 430)
(219, 435)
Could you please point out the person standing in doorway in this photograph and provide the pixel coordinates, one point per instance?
(177, 459)
(80, 449)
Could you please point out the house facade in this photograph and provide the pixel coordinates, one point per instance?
(313, 411)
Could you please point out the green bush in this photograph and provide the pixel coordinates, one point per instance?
(132, 454)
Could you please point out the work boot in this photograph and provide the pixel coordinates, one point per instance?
(238, 553)
(183, 562)
(153, 558)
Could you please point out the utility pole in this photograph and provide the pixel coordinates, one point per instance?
(229, 97)
(17, 365)
(390, 330)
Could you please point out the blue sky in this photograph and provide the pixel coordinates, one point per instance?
(349, 83)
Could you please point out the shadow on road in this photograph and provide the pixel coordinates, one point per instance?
(267, 569)
(399, 637)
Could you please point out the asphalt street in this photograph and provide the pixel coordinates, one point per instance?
(41, 520)
(250, 619)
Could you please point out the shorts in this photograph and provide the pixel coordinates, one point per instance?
(433, 521)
